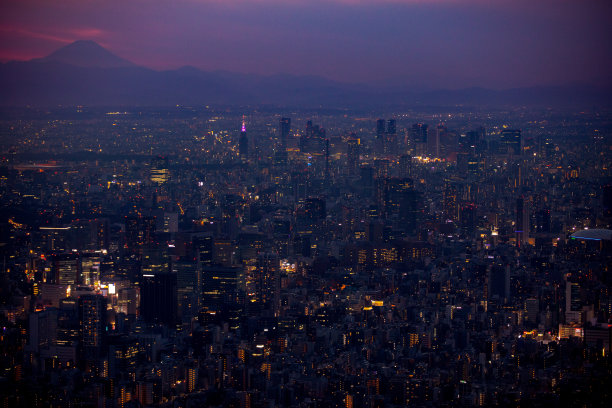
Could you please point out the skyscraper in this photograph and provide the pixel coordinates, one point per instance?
(418, 135)
(284, 127)
(92, 322)
(379, 144)
(158, 298)
(522, 222)
(243, 143)
(511, 141)
(390, 137)
(159, 173)
(352, 155)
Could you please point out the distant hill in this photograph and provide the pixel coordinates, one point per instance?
(86, 54)
(84, 73)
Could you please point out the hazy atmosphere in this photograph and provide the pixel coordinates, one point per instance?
(421, 43)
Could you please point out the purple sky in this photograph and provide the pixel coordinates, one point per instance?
(437, 43)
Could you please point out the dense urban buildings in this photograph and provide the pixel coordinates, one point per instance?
(329, 258)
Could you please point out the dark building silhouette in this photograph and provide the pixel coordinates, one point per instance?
(139, 231)
(243, 143)
(390, 146)
(522, 222)
(158, 298)
(510, 142)
(380, 136)
(419, 136)
(92, 326)
(67, 269)
(284, 126)
(352, 156)
(203, 246)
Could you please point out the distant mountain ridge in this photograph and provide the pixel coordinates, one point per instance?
(85, 73)
(86, 54)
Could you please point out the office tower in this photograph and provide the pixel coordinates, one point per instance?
(532, 309)
(468, 141)
(92, 322)
(379, 143)
(400, 199)
(159, 172)
(606, 200)
(42, 329)
(366, 180)
(158, 298)
(390, 146)
(499, 282)
(467, 218)
(155, 259)
(223, 252)
(139, 231)
(188, 287)
(543, 220)
(90, 268)
(433, 142)
(243, 143)
(326, 159)
(573, 303)
(266, 282)
(473, 165)
(170, 222)
(510, 142)
(53, 239)
(203, 246)
(223, 292)
(447, 141)
(122, 355)
(391, 127)
(67, 269)
(352, 156)
(405, 166)
(284, 129)
(522, 222)
(314, 209)
(418, 135)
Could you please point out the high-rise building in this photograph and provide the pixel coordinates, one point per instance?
(243, 143)
(391, 127)
(573, 303)
(159, 173)
(522, 222)
(158, 298)
(499, 282)
(532, 309)
(379, 143)
(170, 222)
(139, 231)
(390, 146)
(92, 322)
(352, 156)
(511, 142)
(223, 290)
(418, 135)
(266, 282)
(284, 126)
(67, 269)
(203, 246)
(400, 199)
(451, 205)
(188, 287)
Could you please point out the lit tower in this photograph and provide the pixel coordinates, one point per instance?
(243, 143)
